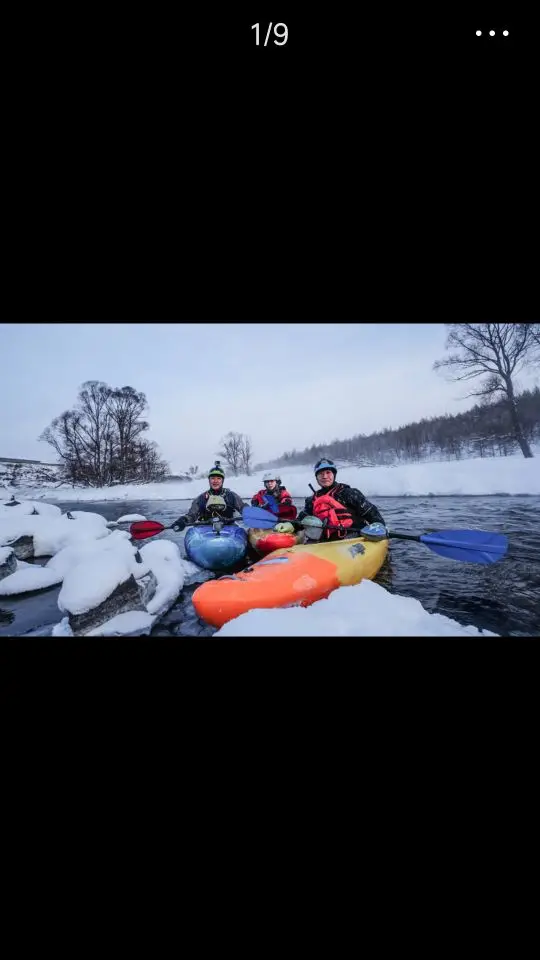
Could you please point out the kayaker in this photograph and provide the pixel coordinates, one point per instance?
(217, 501)
(275, 498)
(338, 504)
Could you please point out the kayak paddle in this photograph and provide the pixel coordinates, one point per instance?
(263, 519)
(473, 546)
(142, 529)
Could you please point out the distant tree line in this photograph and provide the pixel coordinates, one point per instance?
(100, 441)
(484, 431)
(489, 354)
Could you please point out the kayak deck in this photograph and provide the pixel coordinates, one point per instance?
(215, 551)
(296, 576)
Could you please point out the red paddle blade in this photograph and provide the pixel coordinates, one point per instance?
(145, 528)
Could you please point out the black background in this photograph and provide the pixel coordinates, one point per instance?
(379, 164)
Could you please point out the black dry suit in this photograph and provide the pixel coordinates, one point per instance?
(362, 511)
(198, 509)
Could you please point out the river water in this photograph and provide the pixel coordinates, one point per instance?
(503, 597)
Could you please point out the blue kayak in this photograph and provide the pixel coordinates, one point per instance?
(215, 547)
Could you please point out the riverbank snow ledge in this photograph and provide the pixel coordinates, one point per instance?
(363, 610)
(478, 476)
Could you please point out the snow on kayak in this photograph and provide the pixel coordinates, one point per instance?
(363, 610)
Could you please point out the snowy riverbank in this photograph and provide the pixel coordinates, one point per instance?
(474, 477)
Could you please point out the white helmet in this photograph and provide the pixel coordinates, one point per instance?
(271, 476)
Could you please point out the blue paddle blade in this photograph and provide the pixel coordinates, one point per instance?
(474, 546)
(261, 519)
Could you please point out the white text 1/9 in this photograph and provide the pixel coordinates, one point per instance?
(282, 36)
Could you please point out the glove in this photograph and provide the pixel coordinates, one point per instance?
(375, 531)
(179, 524)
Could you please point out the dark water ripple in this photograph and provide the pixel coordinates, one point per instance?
(503, 597)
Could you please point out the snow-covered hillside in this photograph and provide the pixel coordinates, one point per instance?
(16, 475)
(481, 476)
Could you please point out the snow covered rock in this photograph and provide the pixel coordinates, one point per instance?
(23, 548)
(30, 577)
(121, 591)
(147, 587)
(125, 598)
(8, 562)
(50, 533)
(104, 584)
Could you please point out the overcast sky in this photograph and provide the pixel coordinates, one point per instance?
(285, 384)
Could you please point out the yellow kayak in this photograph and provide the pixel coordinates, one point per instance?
(296, 576)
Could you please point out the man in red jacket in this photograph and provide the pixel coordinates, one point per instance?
(275, 498)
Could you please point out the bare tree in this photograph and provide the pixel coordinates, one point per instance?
(125, 408)
(99, 442)
(535, 334)
(246, 455)
(232, 447)
(496, 352)
(192, 471)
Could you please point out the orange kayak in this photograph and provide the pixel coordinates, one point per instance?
(297, 576)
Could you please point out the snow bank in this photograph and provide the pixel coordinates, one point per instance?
(363, 610)
(51, 533)
(4, 553)
(482, 476)
(130, 518)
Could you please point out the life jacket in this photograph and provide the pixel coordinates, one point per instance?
(223, 493)
(326, 507)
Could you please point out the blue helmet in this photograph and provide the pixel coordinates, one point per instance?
(325, 464)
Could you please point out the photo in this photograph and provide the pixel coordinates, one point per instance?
(287, 479)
